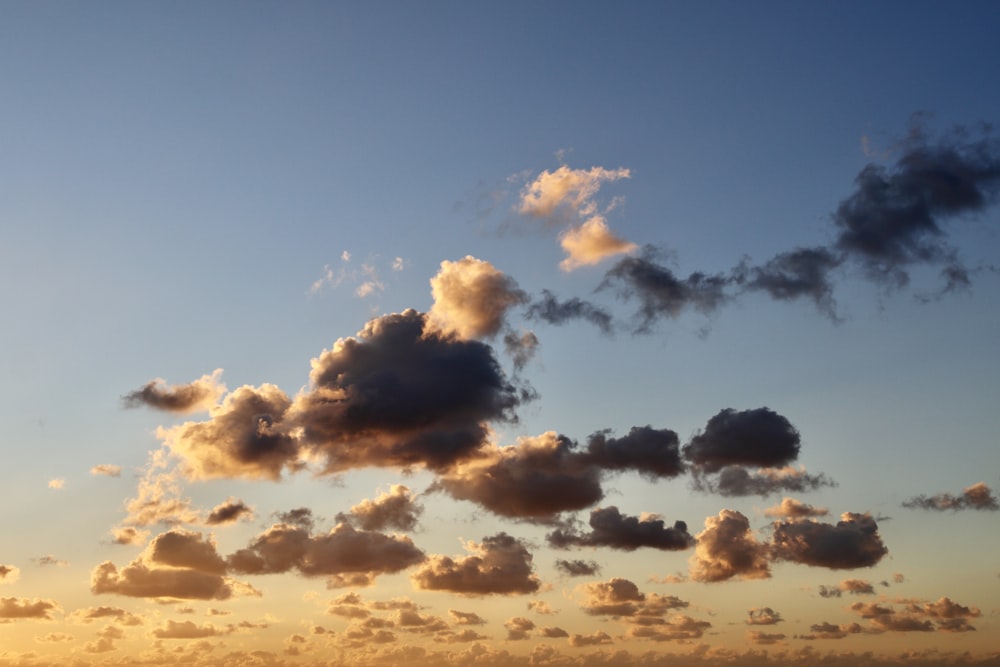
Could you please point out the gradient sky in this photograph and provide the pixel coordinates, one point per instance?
(450, 333)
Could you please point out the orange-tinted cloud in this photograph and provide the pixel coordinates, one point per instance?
(790, 508)
(202, 394)
(395, 509)
(500, 565)
(342, 551)
(578, 568)
(187, 630)
(591, 243)
(9, 574)
(727, 549)
(975, 497)
(763, 616)
(471, 299)
(567, 191)
(107, 470)
(12, 609)
(519, 628)
(230, 511)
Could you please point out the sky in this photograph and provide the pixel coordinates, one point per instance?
(500, 334)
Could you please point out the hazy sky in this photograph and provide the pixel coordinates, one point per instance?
(451, 333)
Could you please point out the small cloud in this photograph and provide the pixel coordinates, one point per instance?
(763, 616)
(591, 243)
(578, 568)
(499, 565)
(49, 560)
(57, 483)
(25, 608)
(202, 394)
(9, 574)
(727, 549)
(975, 497)
(789, 508)
(471, 298)
(611, 528)
(395, 509)
(230, 511)
(398, 264)
(853, 542)
(107, 470)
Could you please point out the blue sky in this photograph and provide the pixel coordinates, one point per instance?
(236, 186)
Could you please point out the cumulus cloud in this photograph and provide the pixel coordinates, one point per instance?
(727, 549)
(763, 616)
(620, 598)
(13, 608)
(591, 243)
(976, 497)
(116, 614)
(852, 586)
(177, 564)
(466, 617)
(519, 628)
(499, 565)
(395, 509)
(202, 394)
(187, 630)
(399, 395)
(230, 511)
(520, 347)
(610, 528)
(652, 452)
(578, 568)
(595, 638)
(943, 615)
(548, 308)
(660, 293)
(107, 470)
(758, 437)
(853, 542)
(243, 438)
(790, 508)
(536, 478)
(679, 628)
(471, 298)
(342, 551)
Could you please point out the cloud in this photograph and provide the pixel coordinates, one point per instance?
(12, 609)
(140, 580)
(943, 615)
(976, 497)
(128, 535)
(57, 483)
(852, 543)
(466, 617)
(578, 568)
(596, 638)
(550, 309)
(202, 394)
(9, 574)
(661, 293)
(653, 453)
(49, 560)
(400, 395)
(519, 628)
(541, 607)
(471, 299)
(764, 638)
(537, 478)
(520, 348)
(554, 632)
(896, 217)
(243, 438)
(395, 509)
(680, 628)
(621, 599)
(230, 511)
(116, 614)
(734, 481)
(157, 499)
(185, 549)
(852, 586)
(795, 274)
(826, 630)
(727, 549)
(793, 509)
(566, 192)
(342, 551)
(591, 243)
(610, 528)
(500, 565)
(758, 437)
(187, 630)
(107, 470)
(763, 616)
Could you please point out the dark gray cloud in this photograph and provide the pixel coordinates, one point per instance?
(853, 542)
(499, 565)
(649, 451)
(736, 481)
(198, 395)
(758, 437)
(897, 216)
(402, 395)
(520, 348)
(537, 478)
(611, 528)
(660, 292)
(796, 274)
(763, 616)
(395, 509)
(578, 568)
(231, 511)
(550, 309)
(342, 551)
(976, 497)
